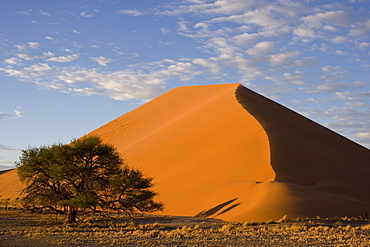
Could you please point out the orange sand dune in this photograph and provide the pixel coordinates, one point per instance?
(224, 151)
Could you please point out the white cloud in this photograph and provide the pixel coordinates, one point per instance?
(295, 78)
(213, 8)
(45, 13)
(85, 14)
(305, 62)
(7, 148)
(214, 68)
(360, 29)
(306, 34)
(363, 136)
(181, 70)
(262, 17)
(119, 85)
(284, 58)
(50, 38)
(339, 39)
(261, 48)
(332, 87)
(132, 12)
(48, 54)
(12, 60)
(363, 45)
(36, 71)
(332, 74)
(63, 59)
(246, 67)
(222, 47)
(245, 39)
(331, 28)
(103, 61)
(333, 18)
(223, 7)
(33, 45)
(24, 47)
(314, 25)
(164, 30)
(5, 116)
(24, 12)
(75, 31)
(340, 53)
(25, 57)
(349, 121)
(17, 112)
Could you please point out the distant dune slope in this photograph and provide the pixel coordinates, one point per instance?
(224, 151)
(10, 186)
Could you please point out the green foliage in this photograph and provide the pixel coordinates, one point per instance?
(85, 175)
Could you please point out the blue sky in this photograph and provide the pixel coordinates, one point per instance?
(68, 67)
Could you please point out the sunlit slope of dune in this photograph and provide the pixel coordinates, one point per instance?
(194, 141)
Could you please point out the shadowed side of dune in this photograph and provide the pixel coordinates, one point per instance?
(321, 168)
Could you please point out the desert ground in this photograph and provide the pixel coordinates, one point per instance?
(19, 228)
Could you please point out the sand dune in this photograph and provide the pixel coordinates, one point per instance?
(10, 186)
(224, 151)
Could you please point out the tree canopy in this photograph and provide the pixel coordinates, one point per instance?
(83, 176)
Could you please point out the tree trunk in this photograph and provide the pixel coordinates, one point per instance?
(72, 215)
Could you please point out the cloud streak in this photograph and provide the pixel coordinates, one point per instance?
(16, 114)
(63, 59)
(103, 61)
(6, 148)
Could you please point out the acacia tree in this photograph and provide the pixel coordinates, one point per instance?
(85, 175)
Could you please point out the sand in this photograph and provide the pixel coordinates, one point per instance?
(10, 186)
(226, 152)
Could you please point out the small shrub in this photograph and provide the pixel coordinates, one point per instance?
(365, 227)
(285, 219)
(297, 227)
(348, 228)
(186, 229)
(153, 226)
(227, 228)
(271, 222)
(252, 223)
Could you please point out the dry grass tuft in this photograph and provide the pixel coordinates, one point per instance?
(285, 219)
(227, 228)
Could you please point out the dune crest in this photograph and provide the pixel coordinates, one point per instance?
(225, 151)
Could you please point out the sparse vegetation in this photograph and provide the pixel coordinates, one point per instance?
(24, 229)
(83, 176)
